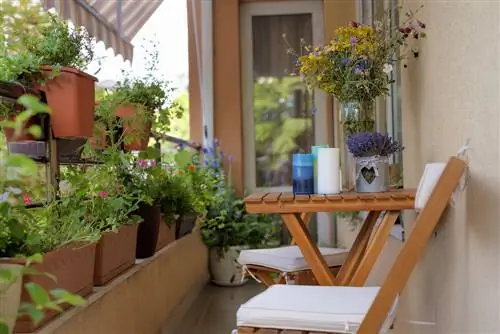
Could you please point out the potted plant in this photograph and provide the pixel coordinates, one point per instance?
(356, 67)
(142, 102)
(50, 231)
(141, 177)
(64, 53)
(108, 208)
(371, 151)
(177, 200)
(226, 230)
(11, 286)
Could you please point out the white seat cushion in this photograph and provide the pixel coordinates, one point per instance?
(289, 258)
(330, 309)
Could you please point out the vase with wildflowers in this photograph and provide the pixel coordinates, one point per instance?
(372, 151)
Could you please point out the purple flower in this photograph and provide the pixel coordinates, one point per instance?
(344, 61)
(353, 40)
(230, 158)
(367, 144)
(314, 110)
(358, 69)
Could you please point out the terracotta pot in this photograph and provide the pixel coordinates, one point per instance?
(185, 225)
(99, 140)
(115, 253)
(74, 269)
(136, 129)
(70, 95)
(10, 296)
(166, 233)
(147, 235)
(25, 135)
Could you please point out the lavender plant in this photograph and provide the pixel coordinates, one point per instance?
(370, 144)
(375, 145)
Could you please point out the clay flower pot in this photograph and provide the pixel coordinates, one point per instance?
(136, 130)
(166, 233)
(115, 253)
(70, 95)
(74, 269)
(147, 234)
(12, 91)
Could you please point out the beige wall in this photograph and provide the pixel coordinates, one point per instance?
(450, 93)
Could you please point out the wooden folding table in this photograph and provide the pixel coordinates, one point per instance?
(369, 242)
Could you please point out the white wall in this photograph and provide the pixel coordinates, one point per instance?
(451, 93)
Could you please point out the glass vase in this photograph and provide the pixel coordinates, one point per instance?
(355, 116)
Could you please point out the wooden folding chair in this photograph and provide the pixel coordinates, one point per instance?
(285, 264)
(295, 309)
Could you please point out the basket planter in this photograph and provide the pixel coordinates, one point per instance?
(115, 253)
(225, 269)
(136, 130)
(74, 269)
(166, 233)
(70, 95)
(10, 296)
(185, 225)
(147, 234)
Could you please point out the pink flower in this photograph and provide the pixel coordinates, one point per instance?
(142, 163)
(103, 194)
(26, 199)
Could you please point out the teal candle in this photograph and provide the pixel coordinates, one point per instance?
(314, 151)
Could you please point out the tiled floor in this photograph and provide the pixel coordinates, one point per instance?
(214, 311)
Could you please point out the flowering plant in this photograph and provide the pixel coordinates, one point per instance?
(369, 144)
(355, 64)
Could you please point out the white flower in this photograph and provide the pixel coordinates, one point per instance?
(387, 68)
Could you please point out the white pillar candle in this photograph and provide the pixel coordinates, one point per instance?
(328, 171)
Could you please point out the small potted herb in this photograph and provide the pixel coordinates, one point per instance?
(372, 151)
(142, 102)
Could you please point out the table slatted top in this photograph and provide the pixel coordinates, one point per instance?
(284, 202)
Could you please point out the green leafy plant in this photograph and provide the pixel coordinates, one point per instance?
(61, 45)
(150, 94)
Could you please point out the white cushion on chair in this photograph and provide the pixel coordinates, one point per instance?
(289, 258)
(431, 175)
(331, 309)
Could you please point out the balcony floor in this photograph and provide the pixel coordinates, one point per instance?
(214, 310)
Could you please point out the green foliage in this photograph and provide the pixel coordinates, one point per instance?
(228, 224)
(60, 45)
(151, 94)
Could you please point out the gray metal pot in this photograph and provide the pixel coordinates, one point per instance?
(372, 175)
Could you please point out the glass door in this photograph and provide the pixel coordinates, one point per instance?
(280, 116)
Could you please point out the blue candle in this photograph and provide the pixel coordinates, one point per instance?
(303, 173)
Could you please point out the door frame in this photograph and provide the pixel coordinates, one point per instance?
(247, 11)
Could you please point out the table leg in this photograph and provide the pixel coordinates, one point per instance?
(358, 249)
(306, 217)
(374, 249)
(312, 255)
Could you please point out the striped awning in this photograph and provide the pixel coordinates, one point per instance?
(114, 22)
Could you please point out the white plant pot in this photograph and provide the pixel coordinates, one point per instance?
(225, 269)
(10, 295)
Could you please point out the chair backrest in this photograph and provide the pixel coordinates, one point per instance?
(412, 249)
